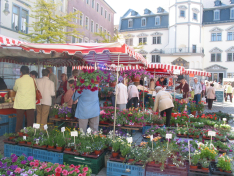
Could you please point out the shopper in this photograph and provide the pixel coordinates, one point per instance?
(197, 90)
(160, 82)
(152, 84)
(163, 103)
(62, 88)
(184, 88)
(53, 78)
(229, 92)
(34, 74)
(203, 88)
(210, 96)
(122, 95)
(25, 99)
(3, 85)
(133, 95)
(88, 109)
(46, 87)
(68, 96)
(75, 74)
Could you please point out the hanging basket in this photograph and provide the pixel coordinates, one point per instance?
(136, 79)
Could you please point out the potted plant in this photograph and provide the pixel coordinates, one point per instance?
(200, 107)
(205, 164)
(50, 142)
(192, 107)
(69, 114)
(221, 147)
(125, 149)
(115, 148)
(224, 163)
(113, 80)
(10, 136)
(68, 142)
(195, 157)
(20, 140)
(60, 142)
(98, 146)
(135, 75)
(54, 111)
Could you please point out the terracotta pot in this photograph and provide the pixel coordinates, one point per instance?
(110, 148)
(97, 152)
(56, 116)
(152, 162)
(13, 137)
(74, 150)
(22, 142)
(121, 158)
(68, 118)
(171, 165)
(50, 147)
(68, 149)
(21, 134)
(191, 136)
(26, 135)
(158, 164)
(131, 160)
(62, 118)
(115, 154)
(35, 145)
(136, 79)
(228, 171)
(85, 153)
(112, 84)
(29, 143)
(221, 170)
(59, 148)
(203, 168)
(193, 167)
(103, 122)
(43, 146)
(193, 113)
(96, 82)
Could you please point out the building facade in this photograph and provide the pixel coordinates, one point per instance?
(95, 16)
(196, 34)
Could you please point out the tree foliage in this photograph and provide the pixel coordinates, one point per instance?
(106, 38)
(49, 27)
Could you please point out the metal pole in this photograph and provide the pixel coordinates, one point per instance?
(116, 96)
(174, 88)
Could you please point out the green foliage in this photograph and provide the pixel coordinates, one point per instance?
(224, 163)
(195, 157)
(106, 38)
(125, 149)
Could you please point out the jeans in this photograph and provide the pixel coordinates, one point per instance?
(133, 100)
(197, 98)
(168, 115)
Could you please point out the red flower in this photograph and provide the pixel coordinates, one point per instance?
(57, 174)
(98, 78)
(82, 81)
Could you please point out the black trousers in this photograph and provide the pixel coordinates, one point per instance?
(133, 100)
(210, 102)
(168, 115)
(230, 95)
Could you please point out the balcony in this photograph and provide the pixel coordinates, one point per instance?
(182, 51)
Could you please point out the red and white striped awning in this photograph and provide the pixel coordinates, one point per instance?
(165, 66)
(111, 68)
(197, 72)
(7, 41)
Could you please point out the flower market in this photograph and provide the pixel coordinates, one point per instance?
(116, 95)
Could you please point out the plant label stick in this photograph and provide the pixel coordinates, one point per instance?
(177, 125)
(62, 130)
(168, 136)
(151, 138)
(224, 120)
(24, 138)
(129, 139)
(74, 133)
(46, 127)
(211, 134)
(189, 152)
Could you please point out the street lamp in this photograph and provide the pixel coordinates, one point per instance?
(6, 10)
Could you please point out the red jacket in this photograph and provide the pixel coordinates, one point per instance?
(158, 84)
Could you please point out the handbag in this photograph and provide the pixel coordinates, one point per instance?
(38, 93)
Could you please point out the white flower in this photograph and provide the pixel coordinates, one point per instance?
(89, 130)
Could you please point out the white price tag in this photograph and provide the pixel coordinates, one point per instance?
(211, 133)
(177, 124)
(45, 127)
(129, 139)
(62, 129)
(151, 137)
(37, 141)
(176, 72)
(88, 147)
(24, 137)
(74, 133)
(168, 136)
(224, 119)
(36, 125)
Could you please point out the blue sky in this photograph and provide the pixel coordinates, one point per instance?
(121, 6)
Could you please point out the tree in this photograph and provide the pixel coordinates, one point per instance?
(106, 37)
(49, 27)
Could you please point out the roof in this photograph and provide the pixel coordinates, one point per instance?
(109, 6)
(208, 4)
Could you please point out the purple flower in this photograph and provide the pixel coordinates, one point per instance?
(23, 162)
(14, 159)
(30, 172)
(13, 155)
(30, 158)
(8, 172)
(13, 167)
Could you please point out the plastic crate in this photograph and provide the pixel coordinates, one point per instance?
(48, 156)
(18, 150)
(4, 119)
(95, 164)
(121, 169)
(12, 124)
(168, 171)
(4, 129)
(198, 174)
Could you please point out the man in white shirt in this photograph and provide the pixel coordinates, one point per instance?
(122, 95)
(46, 87)
(133, 95)
(197, 90)
(54, 79)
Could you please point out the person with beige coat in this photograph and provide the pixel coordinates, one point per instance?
(210, 94)
(164, 103)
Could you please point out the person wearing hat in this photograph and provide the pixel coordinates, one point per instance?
(122, 94)
(68, 95)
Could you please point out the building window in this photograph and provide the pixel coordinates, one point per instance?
(81, 19)
(75, 19)
(229, 75)
(73, 39)
(105, 14)
(108, 35)
(129, 41)
(109, 17)
(182, 13)
(216, 57)
(61, 7)
(230, 36)
(232, 13)
(143, 22)
(92, 26)
(87, 23)
(105, 31)
(230, 57)
(100, 29)
(24, 21)
(157, 40)
(217, 15)
(144, 56)
(96, 28)
(157, 20)
(194, 16)
(155, 59)
(15, 20)
(216, 37)
(143, 41)
(87, 1)
(80, 40)
(130, 23)
(93, 4)
(97, 7)
(101, 10)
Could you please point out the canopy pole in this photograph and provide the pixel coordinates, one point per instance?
(174, 88)
(116, 96)
(143, 95)
(38, 67)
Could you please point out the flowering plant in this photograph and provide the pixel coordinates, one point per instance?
(195, 157)
(129, 74)
(192, 107)
(64, 111)
(54, 110)
(200, 106)
(113, 77)
(224, 162)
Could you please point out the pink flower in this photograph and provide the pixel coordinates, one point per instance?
(102, 112)
(36, 164)
(36, 161)
(48, 169)
(85, 169)
(65, 172)
(71, 172)
(72, 166)
(80, 175)
(92, 81)
(77, 170)
(31, 163)
(77, 167)
(58, 170)
(84, 174)
(17, 170)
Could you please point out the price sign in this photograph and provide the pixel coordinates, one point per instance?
(45, 126)
(129, 139)
(24, 137)
(37, 141)
(224, 119)
(74, 133)
(62, 129)
(88, 147)
(211, 133)
(168, 136)
(151, 137)
(36, 125)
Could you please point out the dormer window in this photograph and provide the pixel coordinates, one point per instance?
(133, 13)
(143, 22)
(130, 23)
(160, 10)
(157, 20)
(147, 11)
(217, 15)
(218, 3)
(232, 13)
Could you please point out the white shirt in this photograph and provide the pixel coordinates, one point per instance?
(122, 94)
(46, 87)
(197, 88)
(132, 92)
